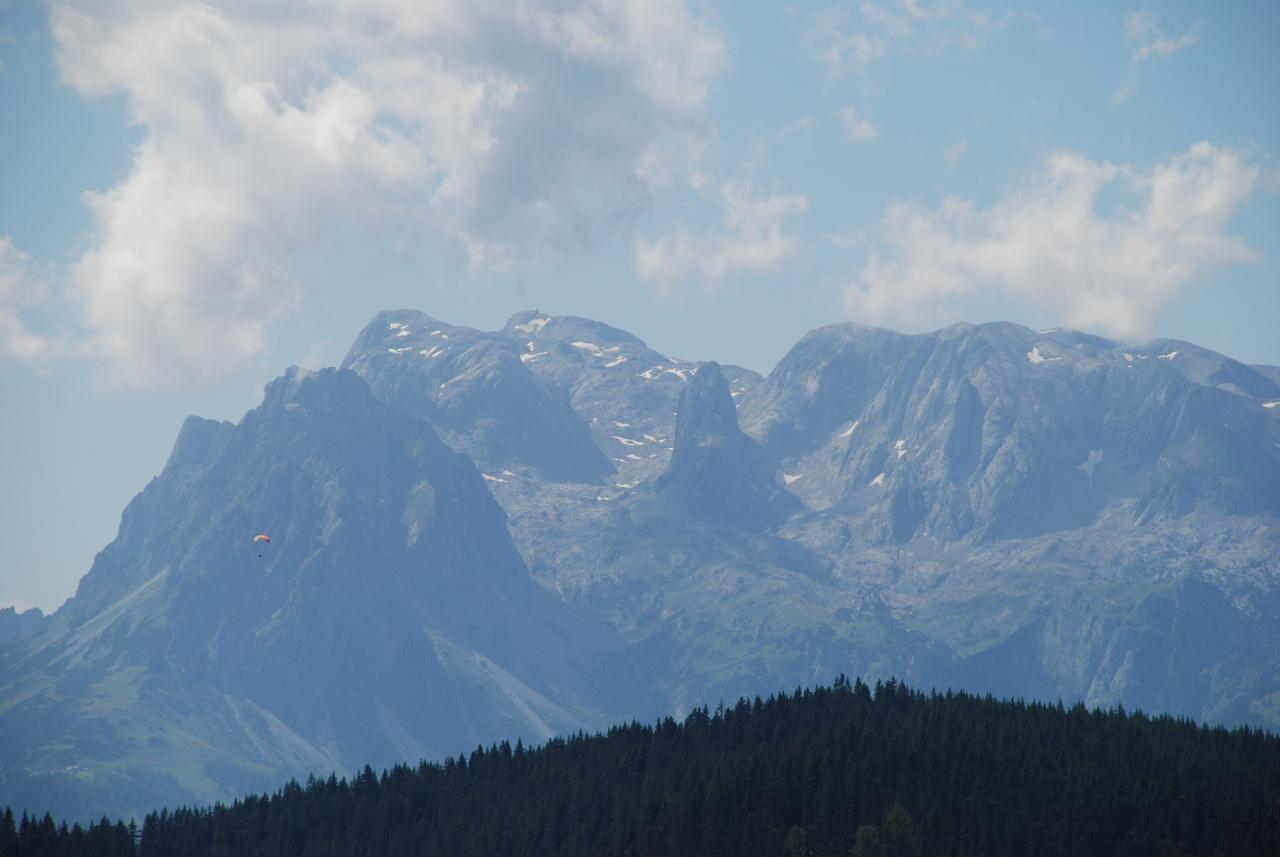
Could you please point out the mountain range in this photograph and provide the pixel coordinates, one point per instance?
(477, 536)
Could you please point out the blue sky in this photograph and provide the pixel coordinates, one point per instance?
(195, 197)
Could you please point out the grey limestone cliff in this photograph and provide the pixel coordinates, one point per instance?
(478, 535)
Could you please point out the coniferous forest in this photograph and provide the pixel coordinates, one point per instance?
(842, 770)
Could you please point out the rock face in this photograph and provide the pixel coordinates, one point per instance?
(389, 617)
(15, 625)
(1046, 514)
(717, 473)
(998, 432)
(475, 388)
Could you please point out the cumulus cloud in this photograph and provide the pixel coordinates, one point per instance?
(1102, 246)
(496, 134)
(855, 127)
(21, 288)
(751, 240)
(1147, 41)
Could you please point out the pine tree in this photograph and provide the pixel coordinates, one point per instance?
(867, 842)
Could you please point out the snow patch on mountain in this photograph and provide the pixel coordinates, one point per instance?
(1036, 358)
(533, 325)
(659, 371)
(1095, 456)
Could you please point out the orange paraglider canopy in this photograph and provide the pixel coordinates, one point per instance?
(262, 537)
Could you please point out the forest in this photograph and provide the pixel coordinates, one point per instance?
(849, 769)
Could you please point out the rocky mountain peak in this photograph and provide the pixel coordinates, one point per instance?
(478, 391)
(716, 472)
(1044, 513)
(707, 416)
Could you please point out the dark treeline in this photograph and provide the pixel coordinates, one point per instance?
(845, 770)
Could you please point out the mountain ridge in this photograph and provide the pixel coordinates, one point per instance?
(481, 535)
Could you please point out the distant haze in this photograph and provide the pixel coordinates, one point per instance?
(516, 533)
(210, 193)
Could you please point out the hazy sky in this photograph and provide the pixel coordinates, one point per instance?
(196, 196)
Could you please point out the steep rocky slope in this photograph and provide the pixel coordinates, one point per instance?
(1043, 514)
(389, 616)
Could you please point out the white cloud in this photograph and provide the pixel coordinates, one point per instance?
(1053, 244)
(855, 127)
(751, 241)
(955, 151)
(494, 133)
(1146, 41)
(20, 290)
(879, 30)
(799, 127)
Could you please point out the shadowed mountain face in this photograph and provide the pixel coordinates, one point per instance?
(717, 473)
(1039, 514)
(15, 625)
(389, 616)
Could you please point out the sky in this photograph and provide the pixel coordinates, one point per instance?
(194, 197)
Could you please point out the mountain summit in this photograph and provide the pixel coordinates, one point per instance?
(477, 390)
(389, 617)
(487, 535)
(717, 473)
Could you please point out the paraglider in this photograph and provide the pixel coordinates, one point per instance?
(261, 537)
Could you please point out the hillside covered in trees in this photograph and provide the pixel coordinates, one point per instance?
(844, 770)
